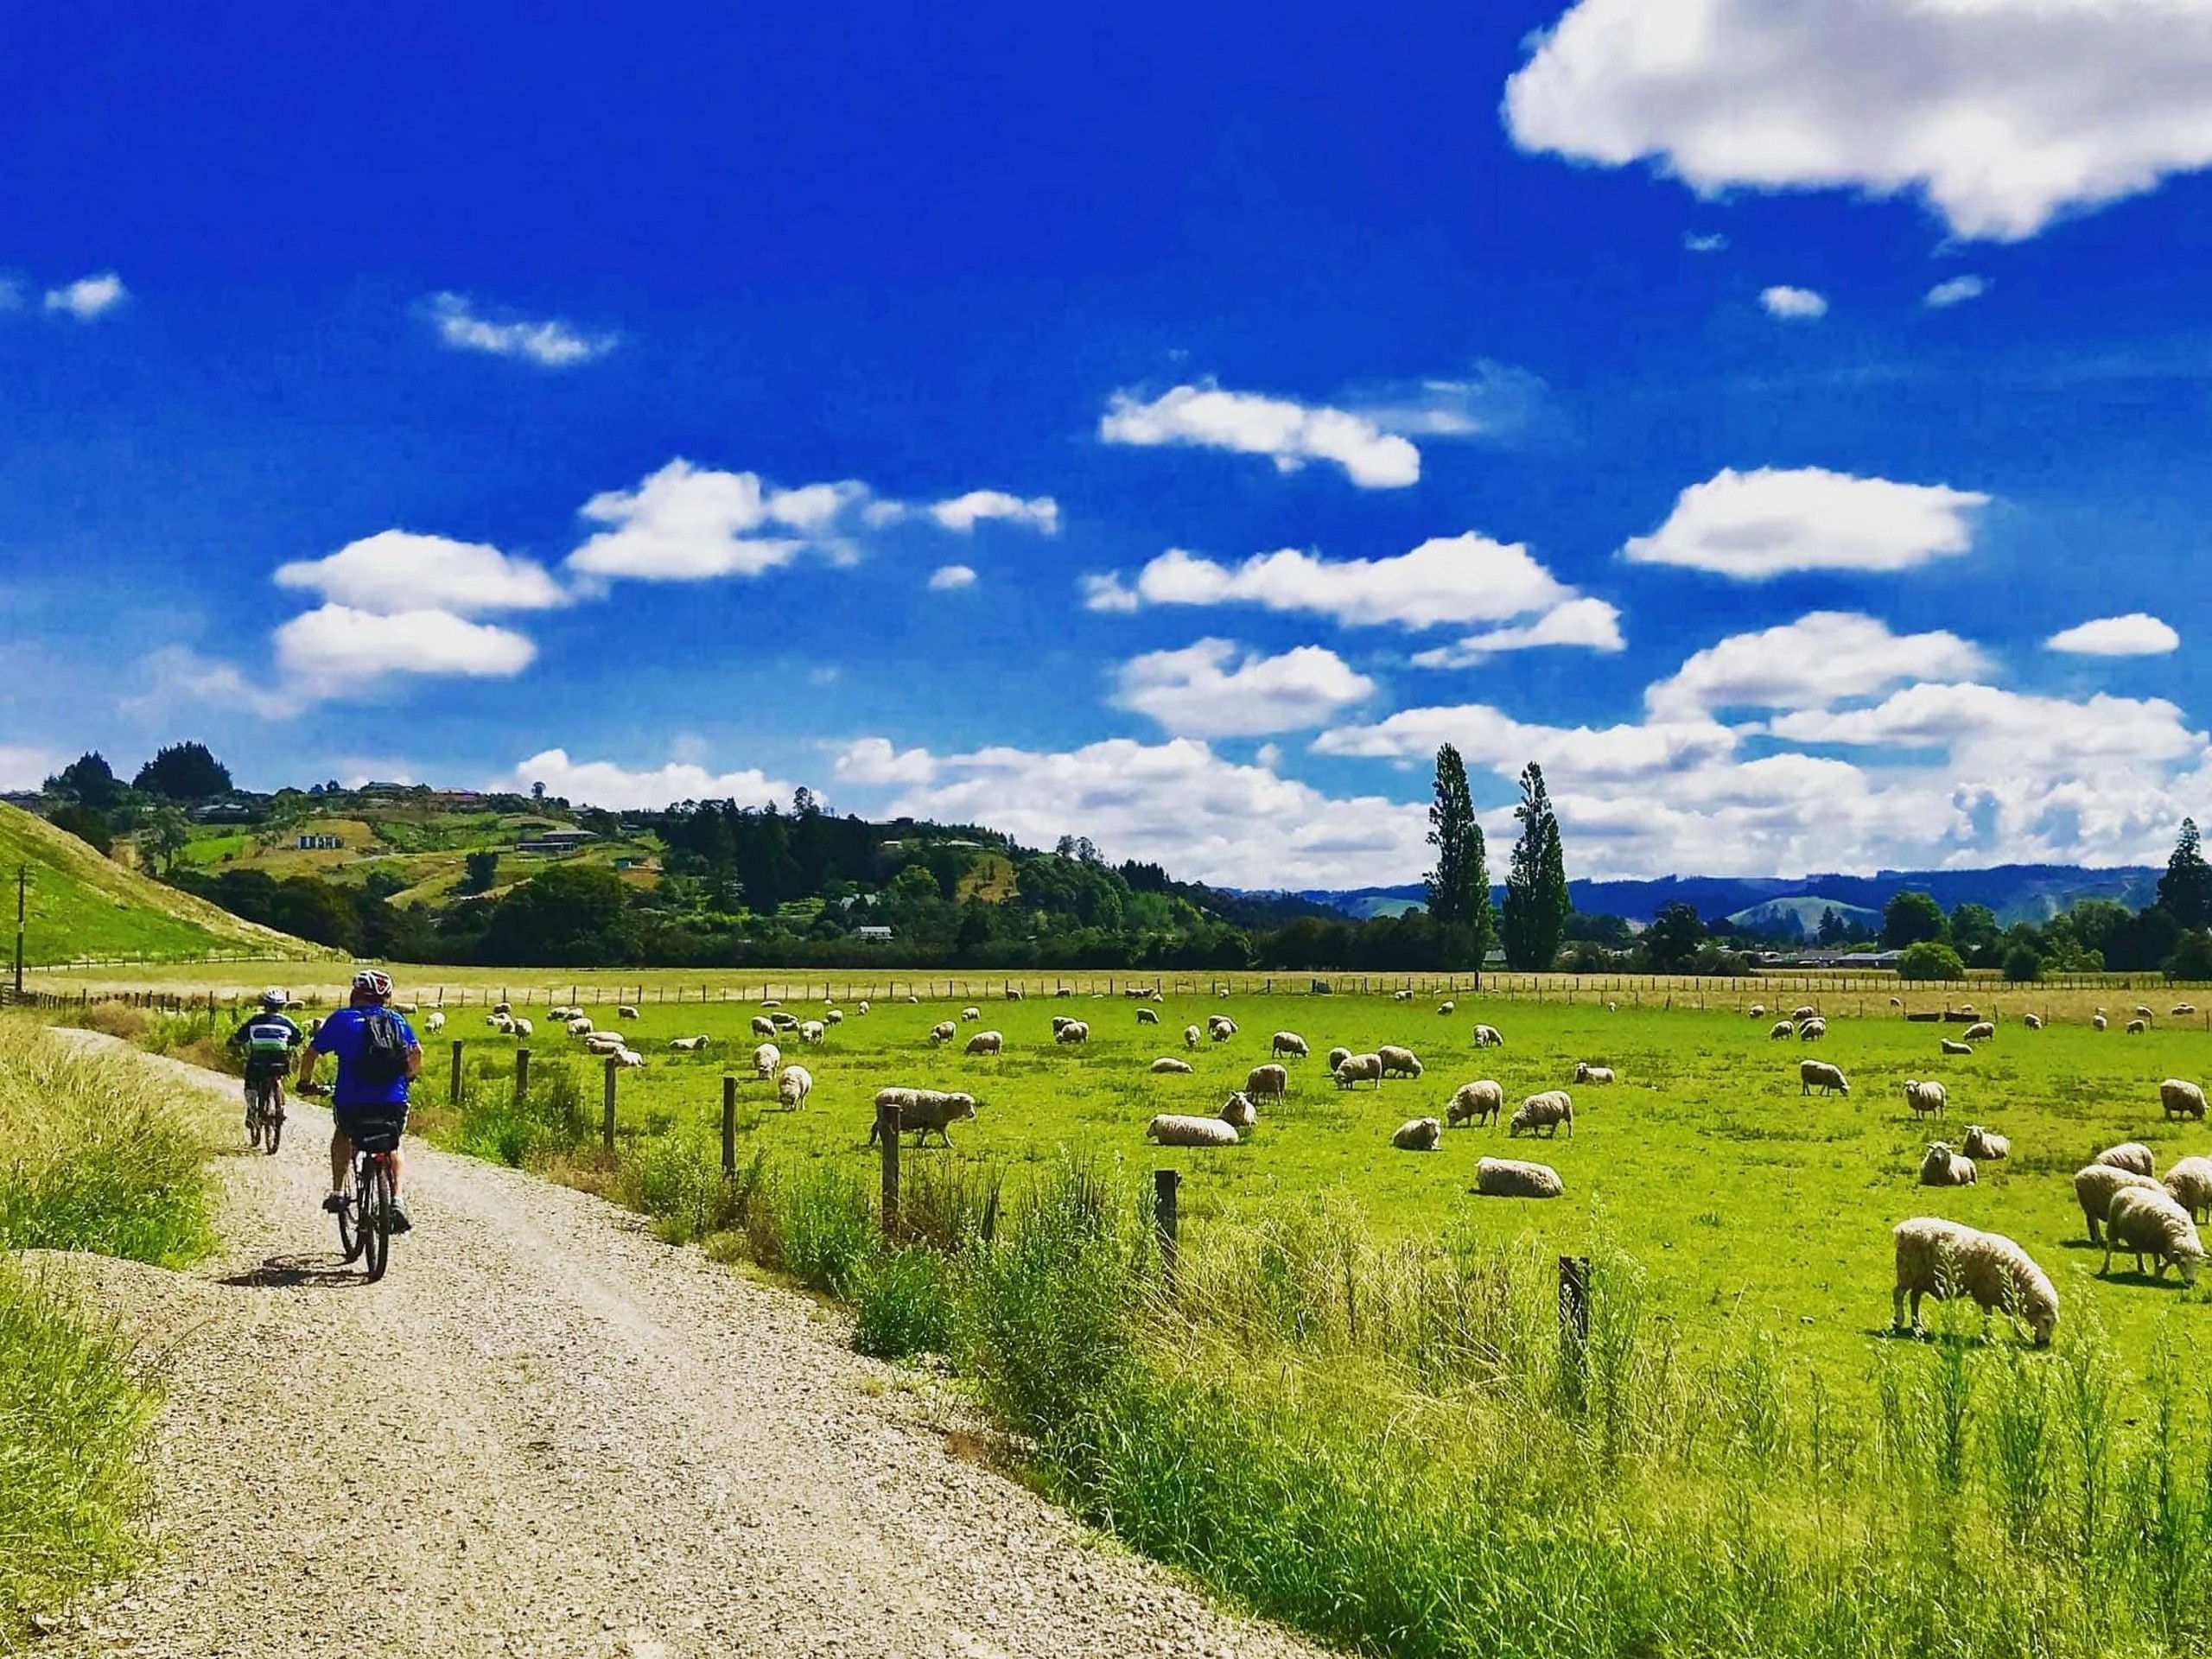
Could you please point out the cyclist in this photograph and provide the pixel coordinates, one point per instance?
(377, 1057)
(267, 1039)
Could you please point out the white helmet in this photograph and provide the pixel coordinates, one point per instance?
(276, 999)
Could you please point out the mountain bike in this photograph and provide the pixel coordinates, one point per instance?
(265, 1113)
(365, 1222)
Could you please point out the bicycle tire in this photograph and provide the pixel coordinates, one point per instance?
(272, 1130)
(375, 1220)
(253, 1125)
(350, 1234)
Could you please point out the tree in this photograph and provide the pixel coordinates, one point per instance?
(1458, 888)
(183, 772)
(1833, 932)
(89, 781)
(479, 870)
(166, 834)
(2185, 889)
(2022, 964)
(2191, 958)
(1973, 928)
(1672, 939)
(572, 913)
(87, 825)
(1911, 919)
(1931, 959)
(1536, 902)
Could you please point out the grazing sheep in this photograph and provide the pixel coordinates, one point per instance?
(1267, 1082)
(784, 1021)
(1483, 1100)
(922, 1111)
(971, 1013)
(1941, 1259)
(503, 1006)
(1819, 1074)
(813, 1031)
(2182, 1099)
(2136, 1028)
(687, 1045)
(1444, 1008)
(986, 1042)
(1944, 1167)
(1146, 1017)
(1812, 1031)
(1545, 1111)
(1780, 1032)
(497, 1021)
(1799, 1016)
(1014, 993)
(2182, 1010)
(1076, 1031)
(1925, 1099)
(1757, 1011)
(792, 1088)
(1949, 1047)
(1222, 1027)
(435, 1022)
(1169, 1129)
(1337, 1057)
(2130, 1154)
(578, 1026)
(2032, 1022)
(2094, 1186)
(1287, 1045)
(1398, 1062)
(603, 1043)
(770, 1002)
(1359, 1068)
(943, 1032)
(1981, 1031)
(1240, 1111)
(1190, 1036)
(763, 1026)
(1586, 1072)
(520, 1027)
(1064, 991)
(1896, 1001)
(1487, 1036)
(2146, 1221)
(2144, 1013)
(2189, 1181)
(765, 1059)
(1402, 997)
(1167, 1065)
(861, 1006)
(626, 1011)
(1508, 1178)
(1612, 1007)
(1985, 1145)
(629, 1058)
(1421, 1134)
(2097, 1021)
(835, 1017)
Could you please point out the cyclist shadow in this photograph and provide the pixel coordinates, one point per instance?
(324, 1268)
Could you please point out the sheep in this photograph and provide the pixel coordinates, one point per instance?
(910, 997)
(497, 1021)
(1014, 993)
(1949, 1047)
(835, 1017)
(971, 1013)
(1420, 1135)
(579, 1026)
(1398, 1062)
(1487, 1036)
(1190, 1036)
(943, 1032)
(1287, 1045)
(770, 1002)
(1402, 997)
(765, 1059)
(813, 1031)
(1545, 1111)
(2130, 1154)
(1169, 1129)
(1981, 1031)
(687, 1045)
(2182, 1099)
(1757, 1011)
(1167, 1065)
(1896, 1001)
(1986, 1146)
(2136, 1028)
(1240, 1111)
(2142, 1012)
(435, 1022)
(986, 1042)
(2182, 1010)
(503, 1006)
(1444, 1008)
(1799, 1016)
(1586, 1072)
(1780, 1032)
(1812, 1031)
(603, 1042)
(1267, 1082)
(1061, 1022)
(861, 1006)
(629, 1058)
(793, 1086)
(1483, 1100)
(626, 1011)
(1925, 1099)
(407, 1008)
(1076, 1031)
(2032, 1022)
(1508, 1178)
(784, 1021)
(2189, 1181)
(1944, 1167)
(1146, 1017)
(562, 1013)
(1360, 1068)
(763, 1026)
(1942, 1259)
(2093, 1185)
(1064, 991)
(520, 1027)
(2097, 1022)
(1830, 1079)
(2146, 1221)
(922, 1111)
(1337, 1057)
(1222, 1027)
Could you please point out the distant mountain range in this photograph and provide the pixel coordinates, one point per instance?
(2018, 893)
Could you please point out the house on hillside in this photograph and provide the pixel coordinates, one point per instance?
(319, 843)
(553, 842)
(873, 933)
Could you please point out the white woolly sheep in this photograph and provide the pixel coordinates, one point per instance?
(2136, 1028)
(1398, 1062)
(835, 1017)
(1402, 997)
(763, 1026)
(2093, 1185)
(2032, 1022)
(687, 1045)
(1444, 1008)
(2130, 1154)
(2142, 1012)
(792, 1088)
(1545, 1111)
(626, 1011)
(1812, 1031)
(1896, 1001)
(922, 1111)
(971, 1013)
(1986, 1146)
(1419, 1135)
(629, 1058)
(2097, 1021)
(520, 1027)
(1949, 1047)
(770, 1002)
(813, 1031)
(943, 1032)
(1190, 1036)
(1240, 1111)
(1014, 993)
(1940, 1167)
(1146, 1017)
(1076, 1031)
(1337, 1057)
(1941, 1259)
(861, 1006)
(1586, 1072)
(1222, 1027)
(1780, 1032)
(503, 1006)
(1167, 1065)
(2145, 1221)
(765, 1059)
(2182, 1010)
(1171, 1129)
(434, 1022)
(910, 997)
(1509, 1178)
(1487, 1036)
(1925, 1099)
(784, 1021)
(1803, 1012)
(1819, 1074)
(1359, 1068)
(497, 1021)
(1267, 1082)
(1980, 1031)
(579, 1026)
(987, 1042)
(2182, 1099)
(1483, 1101)
(1287, 1045)
(2189, 1181)
(1757, 1011)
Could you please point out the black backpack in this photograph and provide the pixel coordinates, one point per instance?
(382, 1058)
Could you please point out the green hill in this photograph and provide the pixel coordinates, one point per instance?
(83, 904)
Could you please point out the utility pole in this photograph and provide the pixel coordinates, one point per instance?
(22, 890)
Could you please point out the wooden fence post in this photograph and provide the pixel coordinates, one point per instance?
(886, 1129)
(1167, 1220)
(606, 1120)
(729, 1125)
(453, 1095)
(522, 1075)
(1574, 1324)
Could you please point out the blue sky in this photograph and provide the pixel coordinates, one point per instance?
(1166, 426)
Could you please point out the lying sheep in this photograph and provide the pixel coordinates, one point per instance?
(1287, 1045)
(986, 1042)
(2190, 1182)
(2137, 1027)
(629, 1058)
(922, 1111)
(1508, 1178)
(1337, 1057)
(1812, 1031)
(1545, 1111)
(1819, 1074)
(942, 1033)
(1169, 1130)
(1925, 1099)
(1950, 1047)
(687, 1045)
(792, 1088)
(1780, 1032)
(2182, 1099)
(1487, 1036)
(765, 1059)
(2146, 1221)
(1265, 1082)
(2130, 1154)
(1148, 1017)
(1941, 1259)
(2094, 1186)
(1483, 1101)
(1190, 1036)
(1239, 1111)
(1985, 1145)
(603, 1042)
(1167, 1065)
(1359, 1068)
(1940, 1167)
(763, 1026)
(1420, 1135)
(1586, 1072)
(1981, 1031)
(1076, 1031)
(1445, 1008)
(1398, 1062)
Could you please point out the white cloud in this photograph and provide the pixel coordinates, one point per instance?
(1215, 689)
(1109, 593)
(1957, 291)
(1589, 623)
(1492, 400)
(395, 571)
(1251, 424)
(337, 651)
(1981, 726)
(2002, 113)
(2137, 634)
(1485, 736)
(607, 784)
(689, 524)
(1793, 304)
(1467, 578)
(21, 767)
(1822, 658)
(550, 344)
(947, 578)
(877, 760)
(1711, 243)
(1770, 522)
(88, 297)
(963, 513)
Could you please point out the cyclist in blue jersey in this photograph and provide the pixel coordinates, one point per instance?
(377, 1057)
(268, 1040)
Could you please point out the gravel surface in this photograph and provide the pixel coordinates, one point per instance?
(546, 1432)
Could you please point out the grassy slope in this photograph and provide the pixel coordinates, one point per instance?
(83, 904)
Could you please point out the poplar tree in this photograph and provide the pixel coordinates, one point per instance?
(1458, 888)
(1536, 902)
(2185, 889)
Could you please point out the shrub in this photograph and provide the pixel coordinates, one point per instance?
(902, 1305)
(1929, 960)
(2023, 966)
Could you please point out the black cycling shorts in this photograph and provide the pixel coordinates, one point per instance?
(370, 1129)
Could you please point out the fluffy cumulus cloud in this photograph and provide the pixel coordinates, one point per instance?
(950, 578)
(340, 652)
(88, 298)
(1288, 433)
(691, 524)
(878, 760)
(2002, 113)
(1774, 521)
(2137, 634)
(1591, 624)
(1794, 304)
(395, 571)
(612, 785)
(1957, 290)
(550, 344)
(963, 513)
(1820, 659)
(1216, 689)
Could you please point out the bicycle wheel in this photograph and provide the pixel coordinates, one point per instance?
(351, 1234)
(272, 1128)
(253, 1119)
(376, 1220)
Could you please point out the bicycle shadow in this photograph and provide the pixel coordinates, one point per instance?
(323, 1269)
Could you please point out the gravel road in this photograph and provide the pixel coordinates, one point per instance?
(546, 1432)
